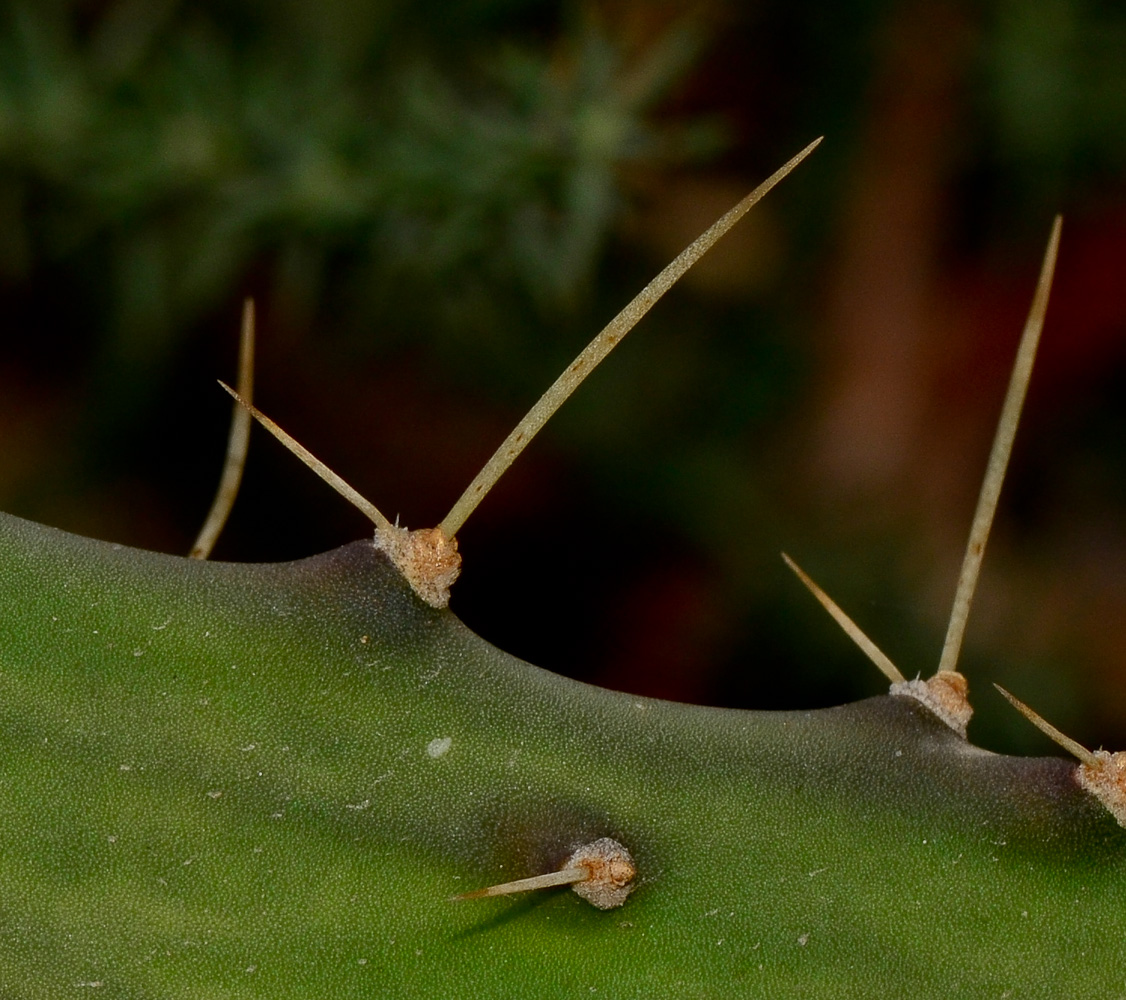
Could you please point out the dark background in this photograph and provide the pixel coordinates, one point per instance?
(437, 204)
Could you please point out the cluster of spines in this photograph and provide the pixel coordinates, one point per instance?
(603, 872)
(428, 557)
(946, 693)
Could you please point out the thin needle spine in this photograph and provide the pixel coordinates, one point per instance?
(238, 442)
(852, 630)
(610, 336)
(1068, 744)
(568, 876)
(999, 458)
(366, 506)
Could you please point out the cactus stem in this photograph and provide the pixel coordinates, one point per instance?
(610, 336)
(237, 443)
(1066, 742)
(999, 457)
(601, 872)
(852, 630)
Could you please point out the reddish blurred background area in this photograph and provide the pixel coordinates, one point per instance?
(435, 206)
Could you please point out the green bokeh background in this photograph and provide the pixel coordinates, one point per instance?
(436, 205)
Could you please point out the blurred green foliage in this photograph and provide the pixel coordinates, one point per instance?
(164, 150)
(1053, 81)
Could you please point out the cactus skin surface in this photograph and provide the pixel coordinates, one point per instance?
(226, 780)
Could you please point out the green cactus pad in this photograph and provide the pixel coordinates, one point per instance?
(268, 780)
